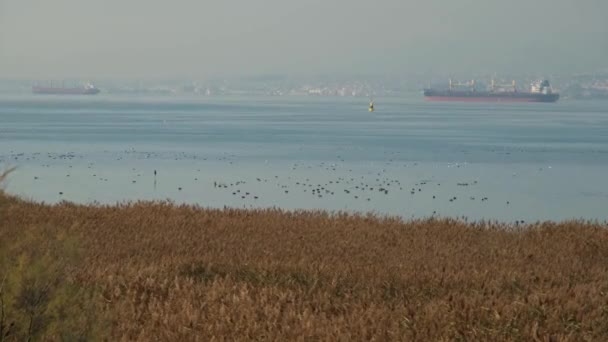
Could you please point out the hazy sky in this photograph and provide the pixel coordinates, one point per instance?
(198, 38)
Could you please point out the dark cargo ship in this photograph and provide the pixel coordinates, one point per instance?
(87, 89)
(540, 91)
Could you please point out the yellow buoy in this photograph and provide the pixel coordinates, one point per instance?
(371, 106)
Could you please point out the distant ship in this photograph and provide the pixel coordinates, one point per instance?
(87, 89)
(540, 91)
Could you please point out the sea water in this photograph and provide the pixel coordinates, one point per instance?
(497, 161)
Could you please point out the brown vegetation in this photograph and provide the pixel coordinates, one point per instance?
(178, 273)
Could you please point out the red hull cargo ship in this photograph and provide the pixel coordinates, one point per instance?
(540, 91)
(87, 89)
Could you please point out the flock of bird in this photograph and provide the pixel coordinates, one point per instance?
(339, 180)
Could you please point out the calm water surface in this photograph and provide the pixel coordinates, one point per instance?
(409, 158)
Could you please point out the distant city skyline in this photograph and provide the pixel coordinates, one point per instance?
(577, 86)
(111, 39)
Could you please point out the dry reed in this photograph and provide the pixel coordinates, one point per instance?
(178, 273)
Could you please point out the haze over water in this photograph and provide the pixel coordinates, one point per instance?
(409, 158)
(136, 39)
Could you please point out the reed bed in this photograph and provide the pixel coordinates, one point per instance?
(183, 273)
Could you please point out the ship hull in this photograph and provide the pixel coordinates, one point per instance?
(448, 96)
(65, 91)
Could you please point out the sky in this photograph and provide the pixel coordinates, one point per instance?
(126, 39)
